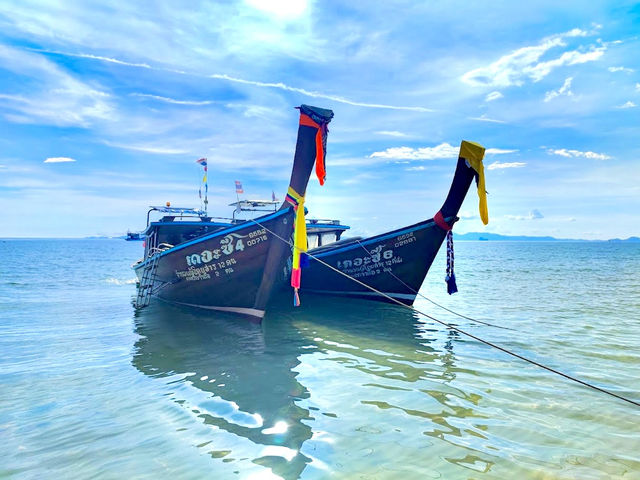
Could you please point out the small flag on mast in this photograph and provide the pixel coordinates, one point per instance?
(239, 187)
(202, 161)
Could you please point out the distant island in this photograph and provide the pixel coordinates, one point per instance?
(484, 236)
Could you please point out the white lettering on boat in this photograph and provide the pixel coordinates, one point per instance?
(201, 266)
(379, 261)
(405, 239)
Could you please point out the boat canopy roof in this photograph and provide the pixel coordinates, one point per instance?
(246, 204)
(178, 210)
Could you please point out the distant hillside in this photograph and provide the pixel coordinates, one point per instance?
(628, 240)
(523, 238)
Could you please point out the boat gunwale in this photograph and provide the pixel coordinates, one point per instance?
(224, 231)
(381, 236)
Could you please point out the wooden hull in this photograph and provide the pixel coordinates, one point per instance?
(394, 263)
(233, 269)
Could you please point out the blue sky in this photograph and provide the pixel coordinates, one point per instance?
(105, 108)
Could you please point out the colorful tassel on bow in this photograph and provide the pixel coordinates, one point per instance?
(451, 276)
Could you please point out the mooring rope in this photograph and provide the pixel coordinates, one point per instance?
(429, 300)
(453, 327)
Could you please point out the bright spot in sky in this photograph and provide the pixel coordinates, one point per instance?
(279, 427)
(280, 8)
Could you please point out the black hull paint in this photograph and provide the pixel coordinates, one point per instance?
(394, 263)
(226, 270)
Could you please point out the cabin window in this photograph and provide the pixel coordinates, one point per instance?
(312, 240)
(328, 238)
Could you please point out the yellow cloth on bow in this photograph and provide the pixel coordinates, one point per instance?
(300, 228)
(473, 153)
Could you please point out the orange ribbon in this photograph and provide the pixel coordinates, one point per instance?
(320, 170)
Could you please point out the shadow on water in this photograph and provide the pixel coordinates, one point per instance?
(244, 379)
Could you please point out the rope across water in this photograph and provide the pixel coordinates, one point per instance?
(453, 327)
(433, 302)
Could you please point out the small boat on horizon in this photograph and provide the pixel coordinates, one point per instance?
(232, 267)
(133, 236)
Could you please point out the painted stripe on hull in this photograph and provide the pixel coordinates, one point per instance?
(399, 296)
(378, 238)
(219, 233)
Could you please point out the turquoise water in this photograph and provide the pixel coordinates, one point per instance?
(334, 389)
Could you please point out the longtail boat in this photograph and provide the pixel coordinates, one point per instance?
(395, 263)
(233, 267)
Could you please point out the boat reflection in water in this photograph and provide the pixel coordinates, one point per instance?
(315, 390)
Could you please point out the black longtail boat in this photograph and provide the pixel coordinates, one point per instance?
(233, 267)
(395, 263)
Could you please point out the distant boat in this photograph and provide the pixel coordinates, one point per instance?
(230, 267)
(395, 262)
(133, 236)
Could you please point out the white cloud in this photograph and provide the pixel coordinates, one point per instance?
(637, 87)
(415, 169)
(629, 104)
(493, 96)
(444, 150)
(563, 152)
(59, 160)
(533, 215)
(392, 133)
(498, 165)
(565, 90)
(498, 151)
(515, 67)
(621, 69)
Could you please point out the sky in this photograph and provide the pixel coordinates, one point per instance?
(106, 106)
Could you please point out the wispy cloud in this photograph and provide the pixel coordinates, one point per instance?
(391, 133)
(525, 63)
(313, 94)
(498, 165)
(563, 152)
(628, 104)
(484, 118)
(637, 87)
(173, 100)
(416, 169)
(59, 160)
(565, 90)
(621, 69)
(255, 83)
(148, 148)
(52, 95)
(493, 96)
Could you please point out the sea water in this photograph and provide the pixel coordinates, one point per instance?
(90, 388)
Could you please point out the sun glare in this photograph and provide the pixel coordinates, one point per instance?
(288, 9)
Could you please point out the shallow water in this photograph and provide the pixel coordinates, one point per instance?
(333, 389)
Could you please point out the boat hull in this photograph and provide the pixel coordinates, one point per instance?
(232, 270)
(393, 263)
